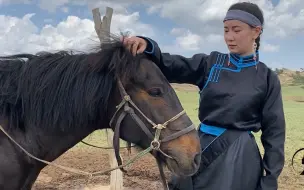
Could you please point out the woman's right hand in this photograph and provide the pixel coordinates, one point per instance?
(135, 44)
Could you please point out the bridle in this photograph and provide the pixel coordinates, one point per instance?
(125, 108)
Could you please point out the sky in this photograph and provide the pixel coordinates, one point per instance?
(179, 27)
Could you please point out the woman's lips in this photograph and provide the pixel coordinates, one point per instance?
(232, 46)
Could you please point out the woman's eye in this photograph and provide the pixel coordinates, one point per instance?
(156, 92)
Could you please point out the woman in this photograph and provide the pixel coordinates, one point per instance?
(238, 94)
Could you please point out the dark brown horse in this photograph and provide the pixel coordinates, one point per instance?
(50, 102)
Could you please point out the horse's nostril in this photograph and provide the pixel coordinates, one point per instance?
(197, 159)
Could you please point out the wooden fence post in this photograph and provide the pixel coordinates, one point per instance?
(102, 29)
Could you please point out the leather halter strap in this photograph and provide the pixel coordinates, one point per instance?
(126, 108)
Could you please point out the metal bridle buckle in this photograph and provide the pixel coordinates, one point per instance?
(127, 98)
(155, 145)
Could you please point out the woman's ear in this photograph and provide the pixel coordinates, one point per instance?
(256, 32)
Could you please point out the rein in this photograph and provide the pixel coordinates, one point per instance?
(154, 145)
(106, 147)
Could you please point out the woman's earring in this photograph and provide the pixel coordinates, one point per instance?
(255, 57)
(254, 48)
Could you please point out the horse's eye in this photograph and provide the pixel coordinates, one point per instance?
(156, 92)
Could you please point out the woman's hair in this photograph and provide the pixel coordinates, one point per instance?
(252, 9)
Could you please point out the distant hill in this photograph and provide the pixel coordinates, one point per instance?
(290, 77)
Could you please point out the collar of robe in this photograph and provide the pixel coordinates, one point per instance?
(244, 61)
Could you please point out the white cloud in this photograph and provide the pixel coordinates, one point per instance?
(19, 35)
(131, 23)
(186, 40)
(285, 24)
(202, 17)
(270, 47)
(214, 38)
(178, 31)
(205, 17)
(201, 22)
(289, 5)
(120, 6)
(189, 41)
(15, 32)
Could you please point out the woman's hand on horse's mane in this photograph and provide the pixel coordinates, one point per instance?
(135, 44)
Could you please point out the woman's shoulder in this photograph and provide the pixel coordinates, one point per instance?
(218, 53)
(215, 56)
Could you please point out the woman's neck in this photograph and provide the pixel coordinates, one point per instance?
(252, 52)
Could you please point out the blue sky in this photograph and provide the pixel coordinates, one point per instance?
(283, 33)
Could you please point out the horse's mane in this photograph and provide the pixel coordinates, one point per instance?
(62, 89)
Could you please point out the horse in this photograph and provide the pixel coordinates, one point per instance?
(51, 101)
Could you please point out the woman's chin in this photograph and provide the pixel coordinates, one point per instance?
(233, 50)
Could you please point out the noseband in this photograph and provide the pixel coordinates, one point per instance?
(155, 139)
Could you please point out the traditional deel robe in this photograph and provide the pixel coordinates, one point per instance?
(236, 99)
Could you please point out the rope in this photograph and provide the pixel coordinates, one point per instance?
(43, 161)
(76, 171)
(104, 147)
(174, 118)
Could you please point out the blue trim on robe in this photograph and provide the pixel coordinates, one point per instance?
(237, 60)
(211, 130)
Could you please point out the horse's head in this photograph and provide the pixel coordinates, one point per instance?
(143, 102)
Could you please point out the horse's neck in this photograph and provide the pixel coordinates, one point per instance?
(51, 145)
(46, 144)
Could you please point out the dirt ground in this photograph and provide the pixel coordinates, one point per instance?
(143, 174)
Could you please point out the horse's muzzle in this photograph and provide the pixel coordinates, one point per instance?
(186, 154)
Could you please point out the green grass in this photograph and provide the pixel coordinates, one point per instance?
(190, 101)
(293, 90)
